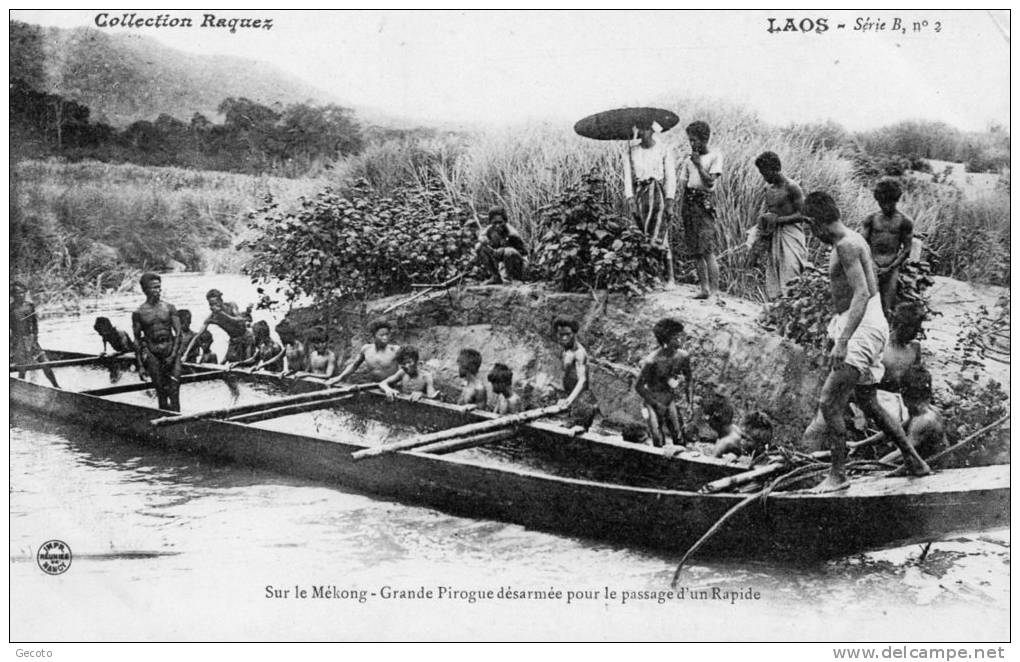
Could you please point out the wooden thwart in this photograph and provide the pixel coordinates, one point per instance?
(64, 362)
(473, 428)
(287, 410)
(444, 447)
(228, 412)
(145, 386)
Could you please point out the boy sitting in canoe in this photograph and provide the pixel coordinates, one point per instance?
(635, 433)
(504, 400)
(187, 335)
(268, 355)
(321, 359)
(473, 392)
(410, 380)
(205, 354)
(379, 356)
(753, 436)
(118, 340)
(658, 383)
(24, 339)
(295, 354)
(581, 402)
(926, 432)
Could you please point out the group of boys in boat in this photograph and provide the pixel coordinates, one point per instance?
(863, 273)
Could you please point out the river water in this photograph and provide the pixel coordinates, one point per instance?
(168, 546)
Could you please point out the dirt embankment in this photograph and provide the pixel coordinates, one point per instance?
(732, 353)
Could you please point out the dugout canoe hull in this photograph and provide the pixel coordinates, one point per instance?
(872, 513)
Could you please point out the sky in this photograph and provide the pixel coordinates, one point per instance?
(504, 67)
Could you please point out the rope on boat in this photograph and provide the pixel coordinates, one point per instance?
(803, 472)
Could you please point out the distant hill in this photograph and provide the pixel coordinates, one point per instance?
(123, 78)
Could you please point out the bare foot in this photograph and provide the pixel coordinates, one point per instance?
(921, 469)
(831, 484)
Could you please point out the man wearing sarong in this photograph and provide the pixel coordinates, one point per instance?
(24, 328)
(698, 175)
(859, 333)
(157, 331)
(779, 233)
(227, 316)
(649, 184)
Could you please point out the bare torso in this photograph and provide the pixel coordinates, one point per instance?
(885, 235)
(381, 363)
(781, 199)
(850, 249)
(155, 322)
(473, 392)
(321, 365)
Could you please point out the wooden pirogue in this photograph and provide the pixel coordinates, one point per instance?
(583, 485)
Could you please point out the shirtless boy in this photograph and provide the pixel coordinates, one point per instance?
(229, 317)
(295, 354)
(24, 328)
(187, 333)
(321, 359)
(205, 354)
(658, 383)
(580, 400)
(379, 356)
(268, 354)
(780, 237)
(504, 400)
(890, 234)
(469, 362)
(157, 331)
(903, 350)
(752, 436)
(860, 334)
(925, 429)
(116, 339)
(410, 379)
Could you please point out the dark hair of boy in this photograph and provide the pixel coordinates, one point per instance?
(768, 161)
(497, 211)
(635, 433)
(260, 328)
(317, 334)
(699, 129)
(908, 312)
(569, 322)
(916, 383)
(820, 206)
(888, 189)
(667, 328)
(758, 420)
(185, 316)
(719, 409)
(102, 324)
(213, 293)
(471, 358)
(501, 374)
(147, 277)
(204, 338)
(407, 353)
(379, 323)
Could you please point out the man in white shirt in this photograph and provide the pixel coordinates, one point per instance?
(698, 175)
(649, 183)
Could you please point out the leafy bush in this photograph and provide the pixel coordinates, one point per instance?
(587, 245)
(361, 244)
(968, 405)
(802, 314)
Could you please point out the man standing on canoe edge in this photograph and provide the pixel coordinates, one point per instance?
(157, 331)
(24, 328)
(649, 184)
(228, 316)
(860, 333)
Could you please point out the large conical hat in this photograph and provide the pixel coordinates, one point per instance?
(619, 124)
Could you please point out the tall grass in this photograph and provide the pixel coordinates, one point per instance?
(89, 224)
(526, 167)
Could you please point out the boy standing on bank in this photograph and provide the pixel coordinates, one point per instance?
(698, 177)
(890, 234)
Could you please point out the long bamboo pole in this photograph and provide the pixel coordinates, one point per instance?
(65, 362)
(287, 410)
(259, 406)
(473, 428)
(451, 445)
